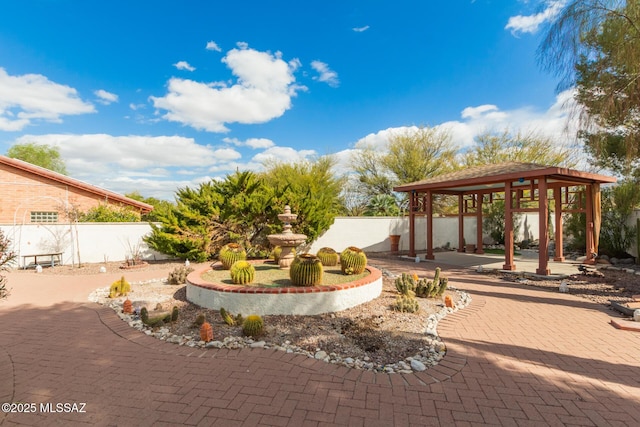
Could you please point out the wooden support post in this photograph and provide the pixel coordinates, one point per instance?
(429, 209)
(479, 248)
(508, 228)
(557, 196)
(460, 224)
(412, 225)
(589, 209)
(543, 213)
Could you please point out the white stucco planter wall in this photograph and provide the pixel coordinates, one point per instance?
(293, 300)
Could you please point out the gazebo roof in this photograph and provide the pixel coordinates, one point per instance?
(493, 177)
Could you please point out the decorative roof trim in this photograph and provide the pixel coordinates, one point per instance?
(500, 173)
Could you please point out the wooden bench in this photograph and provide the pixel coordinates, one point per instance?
(52, 259)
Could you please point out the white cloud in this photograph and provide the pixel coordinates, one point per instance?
(361, 29)
(531, 23)
(84, 153)
(554, 122)
(327, 75)
(136, 107)
(105, 97)
(263, 91)
(475, 112)
(31, 97)
(148, 164)
(184, 65)
(211, 45)
(254, 143)
(282, 154)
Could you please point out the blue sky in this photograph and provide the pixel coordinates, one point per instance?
(155, 95)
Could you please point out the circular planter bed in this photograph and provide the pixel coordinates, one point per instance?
(268, 300)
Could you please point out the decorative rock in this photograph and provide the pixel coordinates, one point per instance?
(320, 355)
(636, 315)
(564, 287)
(257, 344)
(417, 365)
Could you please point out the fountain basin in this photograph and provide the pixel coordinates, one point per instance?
(291, 300)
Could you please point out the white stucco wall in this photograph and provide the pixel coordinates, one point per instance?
(372, 233)
(96, 242)
(290, 303)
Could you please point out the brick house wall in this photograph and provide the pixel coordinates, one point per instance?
(27, 189)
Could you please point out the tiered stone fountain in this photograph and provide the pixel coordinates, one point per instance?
(287, 240)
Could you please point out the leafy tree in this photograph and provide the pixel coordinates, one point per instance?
(158, 206)
(418, 154)
(40, 155)
(244, 208)
(594, 45)
(248, 212)
(519, 147)
(311, 189)
(373, 177)
(413, 155)
(7, 257)
(214, 214)
(109, 213)
(189, 229)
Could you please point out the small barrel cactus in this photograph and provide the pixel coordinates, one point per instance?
(230, 253)
(226, 317)
(353, 260)
(200, 319)
(242, 272)
(328, 257)
(275, 253)
(175, 312)
(306, 270)
(206, 332)
(253, 326)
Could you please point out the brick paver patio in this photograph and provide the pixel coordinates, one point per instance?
(516, 356)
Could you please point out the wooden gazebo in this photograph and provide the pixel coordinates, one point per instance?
(525, 188)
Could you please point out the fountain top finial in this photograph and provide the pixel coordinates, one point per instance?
(287, 217)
